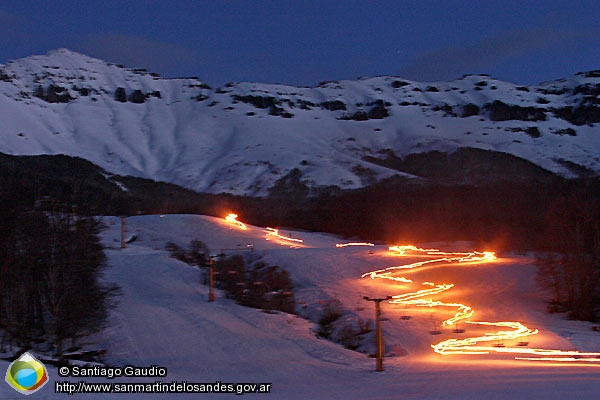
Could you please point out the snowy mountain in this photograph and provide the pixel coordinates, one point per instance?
(244, 137)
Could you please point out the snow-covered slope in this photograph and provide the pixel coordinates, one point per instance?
(163, 318)
(244, 137)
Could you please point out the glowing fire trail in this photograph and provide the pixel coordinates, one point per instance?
(232, 220)
(274, 233)
(354, 244)
(463, 312)
(470, 345)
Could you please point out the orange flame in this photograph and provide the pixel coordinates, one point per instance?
(232, 220)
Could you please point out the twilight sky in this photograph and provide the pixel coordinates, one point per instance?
(301, 42)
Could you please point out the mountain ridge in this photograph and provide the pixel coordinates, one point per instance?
(244, 137)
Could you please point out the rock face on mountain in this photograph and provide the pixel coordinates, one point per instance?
(248, 138)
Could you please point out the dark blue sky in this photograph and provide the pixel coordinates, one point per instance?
(304, 42)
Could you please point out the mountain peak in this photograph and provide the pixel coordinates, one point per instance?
(63, 51)
(61, 57)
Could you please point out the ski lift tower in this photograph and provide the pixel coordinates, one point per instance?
(377, 302)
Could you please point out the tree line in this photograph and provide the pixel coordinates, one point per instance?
(570, 265)
(50, 275)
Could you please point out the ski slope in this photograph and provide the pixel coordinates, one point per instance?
(163, 318)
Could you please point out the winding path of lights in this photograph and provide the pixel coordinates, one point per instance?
(490, 342)
(472, 345)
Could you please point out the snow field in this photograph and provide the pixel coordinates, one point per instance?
(163, 318)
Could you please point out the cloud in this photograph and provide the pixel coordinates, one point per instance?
(452, 62)
(139, 52)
